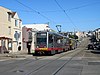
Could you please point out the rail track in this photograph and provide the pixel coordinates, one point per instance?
(54, 61)
(21, 64)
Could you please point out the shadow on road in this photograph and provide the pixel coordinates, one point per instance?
(95, 51)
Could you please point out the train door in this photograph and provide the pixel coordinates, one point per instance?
(58, 43)
(50, 40)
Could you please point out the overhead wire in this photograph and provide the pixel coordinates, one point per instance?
(62, 9)
(85, 5)
(78, 7)
(66, 14)
(34, 11)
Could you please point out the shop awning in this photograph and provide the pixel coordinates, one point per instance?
(5, 38)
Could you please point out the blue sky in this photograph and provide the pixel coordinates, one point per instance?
(83, 15)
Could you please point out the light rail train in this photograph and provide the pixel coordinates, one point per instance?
(51, 43)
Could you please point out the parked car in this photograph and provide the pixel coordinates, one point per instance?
(91, 46)
(97, 46)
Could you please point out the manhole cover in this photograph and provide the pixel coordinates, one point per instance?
(94, 63)
(18, 71)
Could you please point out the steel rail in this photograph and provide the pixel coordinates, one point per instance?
(55, 72)
(26, 63)
(44, 65)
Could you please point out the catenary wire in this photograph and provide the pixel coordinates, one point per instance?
(74, 8)
(66, 14)
(34, 11)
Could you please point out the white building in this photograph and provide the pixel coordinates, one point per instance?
(38, 27)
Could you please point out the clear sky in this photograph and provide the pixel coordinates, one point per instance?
(83, 15)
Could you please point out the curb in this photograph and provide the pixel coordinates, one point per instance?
(15, 55)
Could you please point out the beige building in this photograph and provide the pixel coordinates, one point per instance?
(80, 35)
(10, 30)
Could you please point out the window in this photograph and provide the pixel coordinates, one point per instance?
(9, 30)
(19, 23)
(50, 38)
(16, 36)
(19, 34)
(16, 22)
(9, 45)
(58, 41)
(9, 16)
(41, 40)
(50, 41)
(30, 36)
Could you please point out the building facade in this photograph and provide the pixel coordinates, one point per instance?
(81, 35)
(97, 34)
(28, 33)
(38, 27)
(10, 30)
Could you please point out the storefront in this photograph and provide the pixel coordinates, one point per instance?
(5, 44)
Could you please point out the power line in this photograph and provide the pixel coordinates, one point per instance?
(34, 11)
(78, 7)
(85, 5)
(65, 13)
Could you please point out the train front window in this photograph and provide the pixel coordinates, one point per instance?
(41, 40)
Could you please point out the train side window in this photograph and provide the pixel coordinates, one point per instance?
(50, 39)
(58, 41)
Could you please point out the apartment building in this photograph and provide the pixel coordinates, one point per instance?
(10, 31)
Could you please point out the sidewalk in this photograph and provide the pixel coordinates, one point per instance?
(20, 54)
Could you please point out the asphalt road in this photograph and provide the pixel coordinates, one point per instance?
(76, 62)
